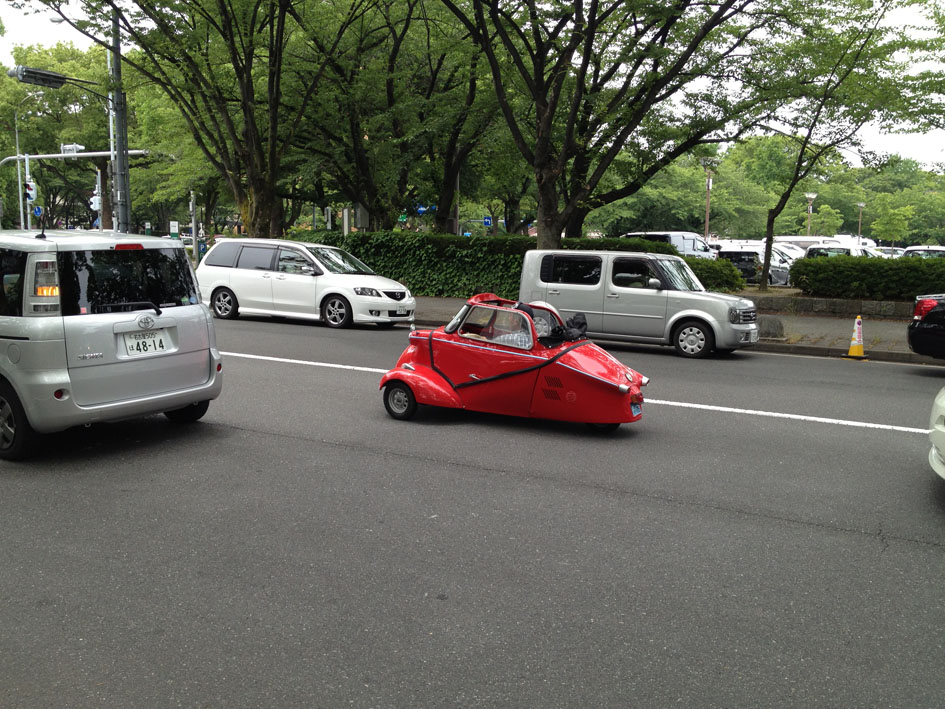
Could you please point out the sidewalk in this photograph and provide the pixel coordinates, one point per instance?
(884, 339)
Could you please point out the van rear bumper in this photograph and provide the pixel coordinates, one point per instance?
(47, 414)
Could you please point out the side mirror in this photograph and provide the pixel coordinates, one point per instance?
(308, 270)
(655, 284)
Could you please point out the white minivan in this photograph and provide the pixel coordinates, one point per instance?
(96, 326)
(296, 279)
(687, 243)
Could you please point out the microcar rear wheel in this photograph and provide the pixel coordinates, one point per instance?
(190, 413)
(693, 339)
(399, 401)
(225, 305)
(17, 437)
(603, 427)
(336, 311)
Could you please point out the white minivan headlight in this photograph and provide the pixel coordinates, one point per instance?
(368, 291)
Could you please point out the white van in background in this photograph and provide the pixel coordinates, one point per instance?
(803, 242)
(687, 243)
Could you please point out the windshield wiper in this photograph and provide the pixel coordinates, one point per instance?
(127, 307)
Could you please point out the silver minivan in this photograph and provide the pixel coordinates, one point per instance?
(639, 297)
(96, 326)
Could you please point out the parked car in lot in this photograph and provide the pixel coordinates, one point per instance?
(890, 251)
(98, 327)
(687, 243)
(749, 260)
(937, 434)
(830, 250)
(299, 280)
(925, 251)
(639, 297)
(502, 357)
(926, 332)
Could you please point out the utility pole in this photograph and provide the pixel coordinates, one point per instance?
(122, 181)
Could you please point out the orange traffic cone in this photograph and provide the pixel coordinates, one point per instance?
(856, 341)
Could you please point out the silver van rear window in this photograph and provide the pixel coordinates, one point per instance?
(121, 280)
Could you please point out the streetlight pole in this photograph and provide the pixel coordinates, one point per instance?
(117, 129)
(122, 180)
(19, 178)
(708, 163)
(708, 197)
(859, 226)
(811, 196)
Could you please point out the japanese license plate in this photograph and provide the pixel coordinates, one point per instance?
(635, 409)
(754, 336)
(147, 342)
(401, 309)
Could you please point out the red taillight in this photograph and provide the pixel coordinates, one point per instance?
(128, 247)
(922, 308)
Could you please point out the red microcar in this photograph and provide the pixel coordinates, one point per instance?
(502, 357)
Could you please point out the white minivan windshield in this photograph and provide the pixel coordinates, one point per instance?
(339, 261)
(681, 276)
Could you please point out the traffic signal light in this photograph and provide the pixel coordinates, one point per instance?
(29, 189)
(95, 204)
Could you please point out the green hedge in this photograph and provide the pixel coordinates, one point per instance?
(442, 265)
(868, 278)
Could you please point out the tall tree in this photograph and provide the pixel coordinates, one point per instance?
(408, 92)
(653, 80)
(233, 69)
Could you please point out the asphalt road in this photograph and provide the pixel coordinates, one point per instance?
(769, 534)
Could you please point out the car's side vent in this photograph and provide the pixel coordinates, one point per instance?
(552, 384)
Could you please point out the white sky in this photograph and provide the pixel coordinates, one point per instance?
(926, 149)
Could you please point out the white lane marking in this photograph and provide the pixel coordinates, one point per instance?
(795, 417)
(305, 362)
(658, 402)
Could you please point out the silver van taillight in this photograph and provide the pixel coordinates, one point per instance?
(44, 297)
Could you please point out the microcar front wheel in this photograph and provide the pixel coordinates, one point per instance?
(399, 401)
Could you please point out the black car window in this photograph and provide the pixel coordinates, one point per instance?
(124, 280)
(291, 261)
(255, 257)
(631, 273)
(580, 270)
(223, 255)
(12, 268)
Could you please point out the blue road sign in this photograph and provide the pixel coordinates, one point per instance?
(487, 221)
(37, 211)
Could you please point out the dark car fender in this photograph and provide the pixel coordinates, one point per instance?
(427, 386)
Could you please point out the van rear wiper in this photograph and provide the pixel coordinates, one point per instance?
(127, 307)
